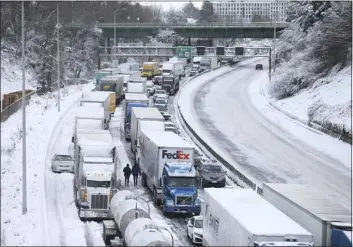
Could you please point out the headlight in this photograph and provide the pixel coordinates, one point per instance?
(85, 196)
(169, 203)
(198, 201)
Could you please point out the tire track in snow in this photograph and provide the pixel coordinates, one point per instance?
(88, 235)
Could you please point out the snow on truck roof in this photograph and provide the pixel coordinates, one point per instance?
(154, 125)
(89, 124)
(137, 79)
(313, 201)
(136, 96)
(256, 214)
(167, 139)
(147, 112)
(96, 96)
(88, 139)
(90, 112)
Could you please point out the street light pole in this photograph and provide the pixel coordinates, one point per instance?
(58, 52)
(274, 41)
(24, 155)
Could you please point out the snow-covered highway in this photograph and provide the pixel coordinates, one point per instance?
(222, 109)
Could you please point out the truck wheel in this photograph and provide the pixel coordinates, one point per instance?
(164, 212)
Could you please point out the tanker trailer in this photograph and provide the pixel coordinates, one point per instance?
(123, 213)
(144, 232)
(120, 196)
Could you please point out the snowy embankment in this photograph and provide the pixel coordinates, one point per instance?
(11, 74)
(41, 116)
(326, 103)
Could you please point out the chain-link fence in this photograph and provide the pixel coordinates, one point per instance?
(15, 106)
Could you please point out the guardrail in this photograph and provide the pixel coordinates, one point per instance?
(15, 106)
(236, 172)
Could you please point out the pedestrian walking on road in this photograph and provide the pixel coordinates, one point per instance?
(127, 174)
(135, 173)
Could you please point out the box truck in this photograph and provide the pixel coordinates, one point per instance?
(326, 219)
(241, 217)
(150, 69)
(129, 67)
(167, 167)
(113, 83)
(137, 114)
(173, 68)
(105, 72)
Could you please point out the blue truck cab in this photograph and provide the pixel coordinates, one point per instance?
(179, 189)
(127, 122)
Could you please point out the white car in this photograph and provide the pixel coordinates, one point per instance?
(62, 163)
(160, 93)
(195, 229)
(150, 88)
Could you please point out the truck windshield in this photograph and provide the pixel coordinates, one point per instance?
(107, 87)
(96, 184)
(147, 70)
(182, 182)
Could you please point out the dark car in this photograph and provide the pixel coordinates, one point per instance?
(211, 175)
(157, 80)
(259, 66)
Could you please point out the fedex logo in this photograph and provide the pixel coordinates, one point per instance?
(180, 155)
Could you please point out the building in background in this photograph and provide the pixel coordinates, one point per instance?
(250, 10)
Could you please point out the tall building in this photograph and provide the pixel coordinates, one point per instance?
(250, 10)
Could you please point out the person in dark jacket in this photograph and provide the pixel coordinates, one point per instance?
(127, 174)
(135, 172)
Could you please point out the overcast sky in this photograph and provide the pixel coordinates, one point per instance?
(166, 5)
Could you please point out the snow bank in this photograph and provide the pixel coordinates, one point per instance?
(42, 115)
(11, 74)
(328, 102)
(297, 108)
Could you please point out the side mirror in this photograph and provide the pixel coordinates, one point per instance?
(73, 139)
(136, 142)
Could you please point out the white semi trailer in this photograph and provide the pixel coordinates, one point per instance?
(328, 220)
(98, 99)
(241, 217)
(132, 225)
(138, 114)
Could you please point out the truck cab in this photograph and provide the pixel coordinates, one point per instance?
(179, 189)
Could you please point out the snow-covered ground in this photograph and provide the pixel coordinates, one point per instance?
(238, 123)
(42, 116)
(331, 97)
(11, 74)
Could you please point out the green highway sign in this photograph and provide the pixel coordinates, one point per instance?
(183, 52)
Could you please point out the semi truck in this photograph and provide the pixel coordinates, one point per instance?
(99, 99)
(129, 67)
(196, 62)
(132, 224)
(205, 64)
(105, 72)
(150, 69)
(144, 124)
(113, 83)
(167, 169)
(213, 62)
(170, 84)
(88, 118)
(95, 180)
(326, 219)
(136, 85)
(132, 100)
(137, 114)
(241, 217)
(173, 68)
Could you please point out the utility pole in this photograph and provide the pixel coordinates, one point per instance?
(274, 41)
(58, 52)
(24, 156)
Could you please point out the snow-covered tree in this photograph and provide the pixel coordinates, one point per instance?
(206, 13)
(190, 11)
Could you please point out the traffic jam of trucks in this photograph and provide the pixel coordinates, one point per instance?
(177, 181)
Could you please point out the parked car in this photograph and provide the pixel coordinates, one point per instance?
(160, 94)
(259, 66)
(161, 104)
(157, 80)
(211, 174)
(150, 88)
(193, 72)
(62, 163)
(195, 229)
